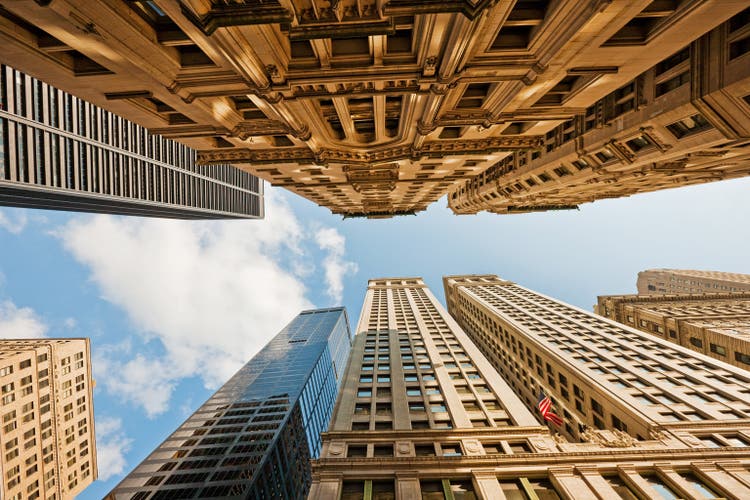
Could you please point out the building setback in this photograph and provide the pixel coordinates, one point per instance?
(714, 324)
(254, 438)
(687, 281)
(423, 414)
(60, 152)
(377, 108)
(47, 443)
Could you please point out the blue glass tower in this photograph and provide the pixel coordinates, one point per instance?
(254, 438)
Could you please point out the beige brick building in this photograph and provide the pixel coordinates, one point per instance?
(424, 414)
(714, 324)
(602, 374)
(47, 444)
(686, 281)
(380, 108)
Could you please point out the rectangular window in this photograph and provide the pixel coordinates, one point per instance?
(597, 407)
(718, 349)
(742, 358)
(451, 450)
(661, 487)
(424, 450)
(688, 126)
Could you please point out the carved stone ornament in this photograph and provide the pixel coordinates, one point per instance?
(433, 149)
(472, 445)
(622, 151)
(541, 444)
(272, 70)
(430, 65)
(608, 439)
(246, 129)
(656, 138)
(403, 448)
(670, 166)
(336, 448)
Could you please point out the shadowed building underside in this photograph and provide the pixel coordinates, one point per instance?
(375, 108)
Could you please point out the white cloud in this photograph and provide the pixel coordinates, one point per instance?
(210, 293)
(111, 446)
(146, 382)
(13, 224)
(19, 322)
(336, 268)
(70, 323)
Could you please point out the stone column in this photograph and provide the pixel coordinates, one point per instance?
(407, 485)
(326, 486)
(486, 485)
(570, 485)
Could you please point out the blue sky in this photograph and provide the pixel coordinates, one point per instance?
(173, 308)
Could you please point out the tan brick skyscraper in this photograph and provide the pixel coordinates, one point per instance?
(685, 281)
(715, 324)
(423, 414)
(47, 443)
(602, 374)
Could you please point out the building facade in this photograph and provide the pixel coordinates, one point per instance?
(681, 120)
(47, 443)
(254, 438)
(714, 324)
(689, 281)
(601, 374)
(424, 414)
(60, 152)
(380, 108)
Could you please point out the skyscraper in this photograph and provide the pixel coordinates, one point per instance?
(416, 387)
(715, 324)
(60, 152)
(375, 108)
(602, 374)
(423, 414)
(660, 281)
(47, 443)
(253, 439)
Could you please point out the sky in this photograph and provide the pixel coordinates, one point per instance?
(174, 308)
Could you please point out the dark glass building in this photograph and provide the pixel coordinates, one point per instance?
(60, 152)
(254, 438)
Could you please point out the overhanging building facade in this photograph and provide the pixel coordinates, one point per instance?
(60, 152)
(423, 414)
(380, 108)
(254, 438)
(714, 324)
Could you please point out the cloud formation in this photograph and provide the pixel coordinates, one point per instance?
(20, 322)
(13, 223)
(336, 267)
(145, 381)
(111, 446)
(206, 296)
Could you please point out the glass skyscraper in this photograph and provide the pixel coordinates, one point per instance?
(255, 436)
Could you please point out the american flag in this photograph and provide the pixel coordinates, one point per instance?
(544, 405)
